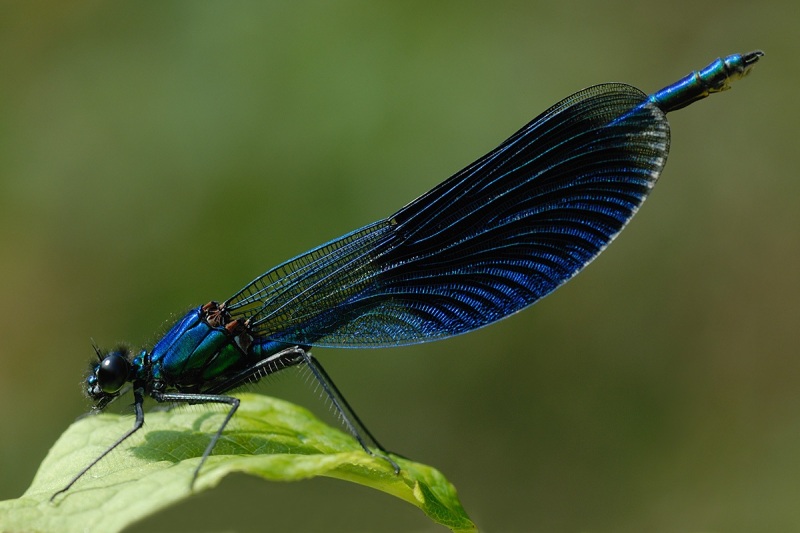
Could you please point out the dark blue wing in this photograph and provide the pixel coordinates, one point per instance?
(491, 240)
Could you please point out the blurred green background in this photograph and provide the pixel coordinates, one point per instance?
(156, 155)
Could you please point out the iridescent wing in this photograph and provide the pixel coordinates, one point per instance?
(486, 243)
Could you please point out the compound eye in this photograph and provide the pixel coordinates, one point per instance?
(112, 373)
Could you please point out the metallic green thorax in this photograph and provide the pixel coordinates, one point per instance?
(200, 348)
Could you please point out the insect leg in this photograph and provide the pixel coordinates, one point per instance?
(202, 398)
(138, 395)
(349, 417)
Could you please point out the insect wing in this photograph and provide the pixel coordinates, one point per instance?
(492, 239)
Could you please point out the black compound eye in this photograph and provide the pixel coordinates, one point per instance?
(112, 373)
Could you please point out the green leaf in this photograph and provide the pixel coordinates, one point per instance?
(269, 438)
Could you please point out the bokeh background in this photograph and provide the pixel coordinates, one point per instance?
(156, 155)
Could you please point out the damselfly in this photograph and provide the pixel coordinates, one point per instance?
(489, 241)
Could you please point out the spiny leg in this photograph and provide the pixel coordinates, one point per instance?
(349, 417)
(293, 356)
(273, 363)
(138, 395)
(202, 398)
(269, 365)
